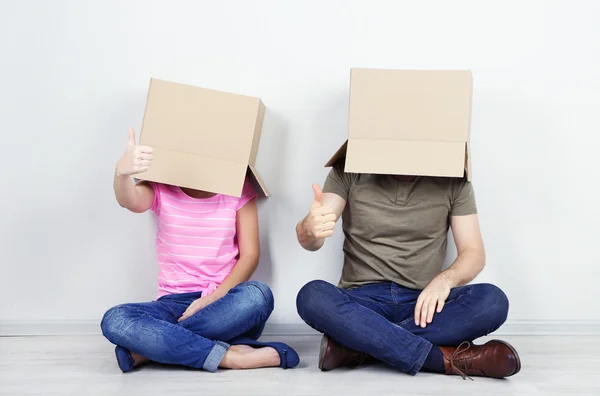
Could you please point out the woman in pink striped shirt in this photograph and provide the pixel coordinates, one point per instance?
(207, 314)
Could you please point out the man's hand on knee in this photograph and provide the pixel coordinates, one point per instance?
(431, 300)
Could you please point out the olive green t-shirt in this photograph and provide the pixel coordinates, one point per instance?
(394, 230)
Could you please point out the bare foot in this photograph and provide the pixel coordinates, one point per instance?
(246, 357)
(243, 348)
(138, 359)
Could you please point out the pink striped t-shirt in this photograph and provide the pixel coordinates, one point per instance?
(196, 243)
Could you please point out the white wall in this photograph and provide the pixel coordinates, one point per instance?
(74, 75)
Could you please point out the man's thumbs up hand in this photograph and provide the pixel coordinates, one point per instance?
(321, 219)
(318, 201)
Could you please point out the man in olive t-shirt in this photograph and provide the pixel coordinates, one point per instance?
(393, 302)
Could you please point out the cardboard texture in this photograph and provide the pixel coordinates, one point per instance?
(201, 138)
(408, 122)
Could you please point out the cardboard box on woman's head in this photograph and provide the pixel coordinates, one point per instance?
(408, 122)
(201, 138)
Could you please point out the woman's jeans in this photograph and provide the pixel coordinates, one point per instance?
(151, 329)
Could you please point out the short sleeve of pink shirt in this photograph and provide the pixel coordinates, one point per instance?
(248, 193)
(156, 203)
(196, 242)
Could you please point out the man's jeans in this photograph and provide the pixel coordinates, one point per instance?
(378, 319)
(201, 341)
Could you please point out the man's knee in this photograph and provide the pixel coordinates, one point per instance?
(259, 295)
(495, 304)
(312, 298)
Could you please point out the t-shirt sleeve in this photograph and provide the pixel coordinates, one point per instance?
(463, 199)
(156, 188)
(248, 194)
(156, 203)
(338, 181)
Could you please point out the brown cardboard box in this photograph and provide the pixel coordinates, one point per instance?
(408, 122)
(201, 138)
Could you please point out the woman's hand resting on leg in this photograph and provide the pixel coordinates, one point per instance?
(197, 305)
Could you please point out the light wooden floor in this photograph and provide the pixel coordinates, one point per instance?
(85, 365)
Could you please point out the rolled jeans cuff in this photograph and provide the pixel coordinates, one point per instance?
(211, 364)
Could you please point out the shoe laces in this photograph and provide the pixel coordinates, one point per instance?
(461, 366)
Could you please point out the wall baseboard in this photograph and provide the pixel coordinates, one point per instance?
(22, 328)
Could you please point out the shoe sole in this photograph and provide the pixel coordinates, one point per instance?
(514, 351)
(322, 350)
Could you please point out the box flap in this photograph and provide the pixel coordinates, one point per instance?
(259, 185)
(341, 153)
(196, 172)
(260, 115)
(468, 172)
(405, 157)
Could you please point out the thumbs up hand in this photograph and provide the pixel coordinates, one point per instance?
(318, 201)
(321, 219)
(137, 159)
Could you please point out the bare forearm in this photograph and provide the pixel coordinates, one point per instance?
(308, 242)
(241, 273)
(465, 268)
(137, 198)
(125, 191)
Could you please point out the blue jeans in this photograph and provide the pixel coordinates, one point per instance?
(378, 319)
(201, 341)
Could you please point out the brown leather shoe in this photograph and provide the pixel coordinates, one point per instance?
(494, 359)
(334, 355)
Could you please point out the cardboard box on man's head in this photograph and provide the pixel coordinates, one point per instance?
(201, 138)
(408, 122)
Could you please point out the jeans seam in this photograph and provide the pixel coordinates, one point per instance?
(353, 297)
(468, 293)
(406, 321)
(417, 367)
(168, 307)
